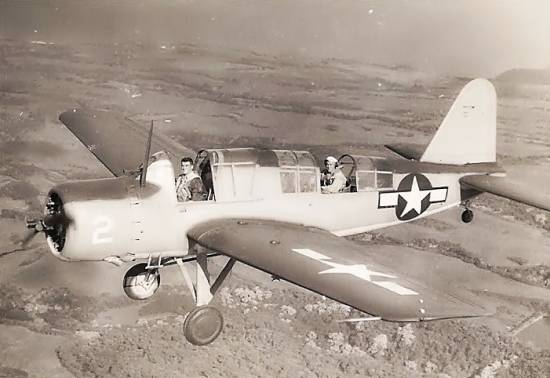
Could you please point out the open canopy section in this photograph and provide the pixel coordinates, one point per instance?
(250, 173)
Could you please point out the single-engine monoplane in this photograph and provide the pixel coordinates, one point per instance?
(265, 208)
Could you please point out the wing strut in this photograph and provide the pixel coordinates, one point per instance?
(146, 159)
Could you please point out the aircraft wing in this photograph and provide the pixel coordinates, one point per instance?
(504, 187)
(331, 266)
(117, 142)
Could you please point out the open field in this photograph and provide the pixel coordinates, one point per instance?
(62, 320)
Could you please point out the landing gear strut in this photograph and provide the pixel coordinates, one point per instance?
(204, 323)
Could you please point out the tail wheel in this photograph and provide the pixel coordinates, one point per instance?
(203, 325)
(141, 283)
(467, 216)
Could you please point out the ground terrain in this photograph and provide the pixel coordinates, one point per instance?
(63, 320)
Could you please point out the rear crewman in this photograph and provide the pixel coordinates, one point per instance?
(332, 178)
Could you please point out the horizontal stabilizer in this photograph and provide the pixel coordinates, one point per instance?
(408, 151)
(504, 187)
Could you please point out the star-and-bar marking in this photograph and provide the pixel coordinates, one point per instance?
(413, 196)
(357, 270)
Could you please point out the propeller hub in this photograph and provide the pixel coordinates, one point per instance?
(36, 225)
(53, 224)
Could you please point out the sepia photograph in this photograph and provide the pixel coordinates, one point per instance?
(275, 188)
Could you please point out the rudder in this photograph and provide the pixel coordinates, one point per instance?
(468, 132)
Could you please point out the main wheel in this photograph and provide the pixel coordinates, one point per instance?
(467, 216)
(140, 283)
(203, 325)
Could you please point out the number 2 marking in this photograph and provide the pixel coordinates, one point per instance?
(102, 230)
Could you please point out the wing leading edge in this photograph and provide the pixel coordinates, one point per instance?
(117, 142)
(331, 266)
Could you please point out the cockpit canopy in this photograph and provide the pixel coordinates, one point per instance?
(250, 173)
(366, 173)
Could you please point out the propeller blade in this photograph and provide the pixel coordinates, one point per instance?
(22, 244)
(29, 236)
(54, 220)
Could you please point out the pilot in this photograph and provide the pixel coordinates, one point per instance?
(332, 178)
(189, 185)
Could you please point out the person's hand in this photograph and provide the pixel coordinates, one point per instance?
(184, 195)
(187, 193)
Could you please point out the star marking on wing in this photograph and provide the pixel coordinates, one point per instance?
(414, 198)
(358, 270)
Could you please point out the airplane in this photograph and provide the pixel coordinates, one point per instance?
(265, 209)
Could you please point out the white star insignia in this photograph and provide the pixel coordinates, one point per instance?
(358, 270)
(414, 198)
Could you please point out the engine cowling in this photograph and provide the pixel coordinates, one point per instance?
(115, 217)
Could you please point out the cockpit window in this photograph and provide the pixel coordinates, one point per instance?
(288, 181)
(299, 180)
(297, 171)
(287, 158)
(248, 173)
(308, 181)
(365, 173)
(235, 179)
(305, 159)
(384, 180)
(366, 180)
(371, 180)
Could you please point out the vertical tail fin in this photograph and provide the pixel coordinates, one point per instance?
(468, 132)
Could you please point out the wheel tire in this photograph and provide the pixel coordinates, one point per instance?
(135, 283)
(203, 325)
(467, 216)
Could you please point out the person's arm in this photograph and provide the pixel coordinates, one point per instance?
(196, 190)
(181, 190)
(338, 184)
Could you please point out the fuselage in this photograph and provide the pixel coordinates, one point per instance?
(342, 214)
(127, 222)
